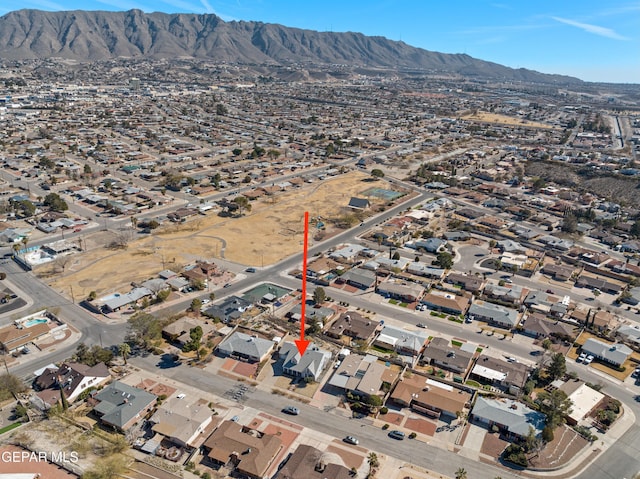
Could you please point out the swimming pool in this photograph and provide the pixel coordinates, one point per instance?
(34, 321)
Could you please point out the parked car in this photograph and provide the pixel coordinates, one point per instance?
(421, 325)
(351, 440)
(589, 359)
(550, 291)
(250, 270)
(294, 411)
(395, 434)
(582, 357)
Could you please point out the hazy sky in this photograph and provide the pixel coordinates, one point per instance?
(594, 40)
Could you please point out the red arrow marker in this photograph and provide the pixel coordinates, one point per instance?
(302, 343)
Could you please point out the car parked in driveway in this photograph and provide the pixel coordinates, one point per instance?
(582, 357)
(395, 434)
(294, 411)
(589, 359)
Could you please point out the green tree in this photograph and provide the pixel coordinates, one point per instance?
(195, 335)
(319, 295)
(143, 329)
(196, 304)
(10, 386)
(377, 173)
(546, 344)
(243, 204)
(373, 461)
(396, 256)
(557, 367)
(555, 405)
(444, 259)
(569, 224)
(55, 202)
(236, 151)
(461, 473)
(111, 467)
(124, 349)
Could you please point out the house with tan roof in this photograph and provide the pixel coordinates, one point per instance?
(430, 397)
(182, 421)
(363, 375)
(307, 462)
(353, 325)
(248, 452)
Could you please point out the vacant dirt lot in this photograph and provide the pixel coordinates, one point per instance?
(504, 120)
(273, 230)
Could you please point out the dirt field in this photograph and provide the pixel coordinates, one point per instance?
(273, 230)
(503, 119)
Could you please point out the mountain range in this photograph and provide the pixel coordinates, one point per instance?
(89, 36)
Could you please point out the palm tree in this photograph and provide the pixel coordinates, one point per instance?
(372, 459)
(461, 473)
(124, 349)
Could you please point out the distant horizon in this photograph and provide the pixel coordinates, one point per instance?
(586, 40)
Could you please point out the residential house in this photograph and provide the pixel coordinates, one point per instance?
(493, 314)
(315, 314)
(512, 293)
(179, 331)
(309, 365)
(117, 301)
(422, 269)
(559, 273)
(439, 352)
(468, 283)
(353, 325)
(537, 326)
(512, 418)
(307, 462)
(430, 397)
(584, 400)
(449, 303)
(121, 406)
(405, 343)
(612, 353)
(359, 203)
(360, 278)
(182, 421)
(508, 376)
(430, 245)
(244, 347)
(409, 292)
(603, 321)
(248, 452)
(629, 334)
(347, 254)
(363, 375)
(229, 310)
(603, 285)
(72, 378)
